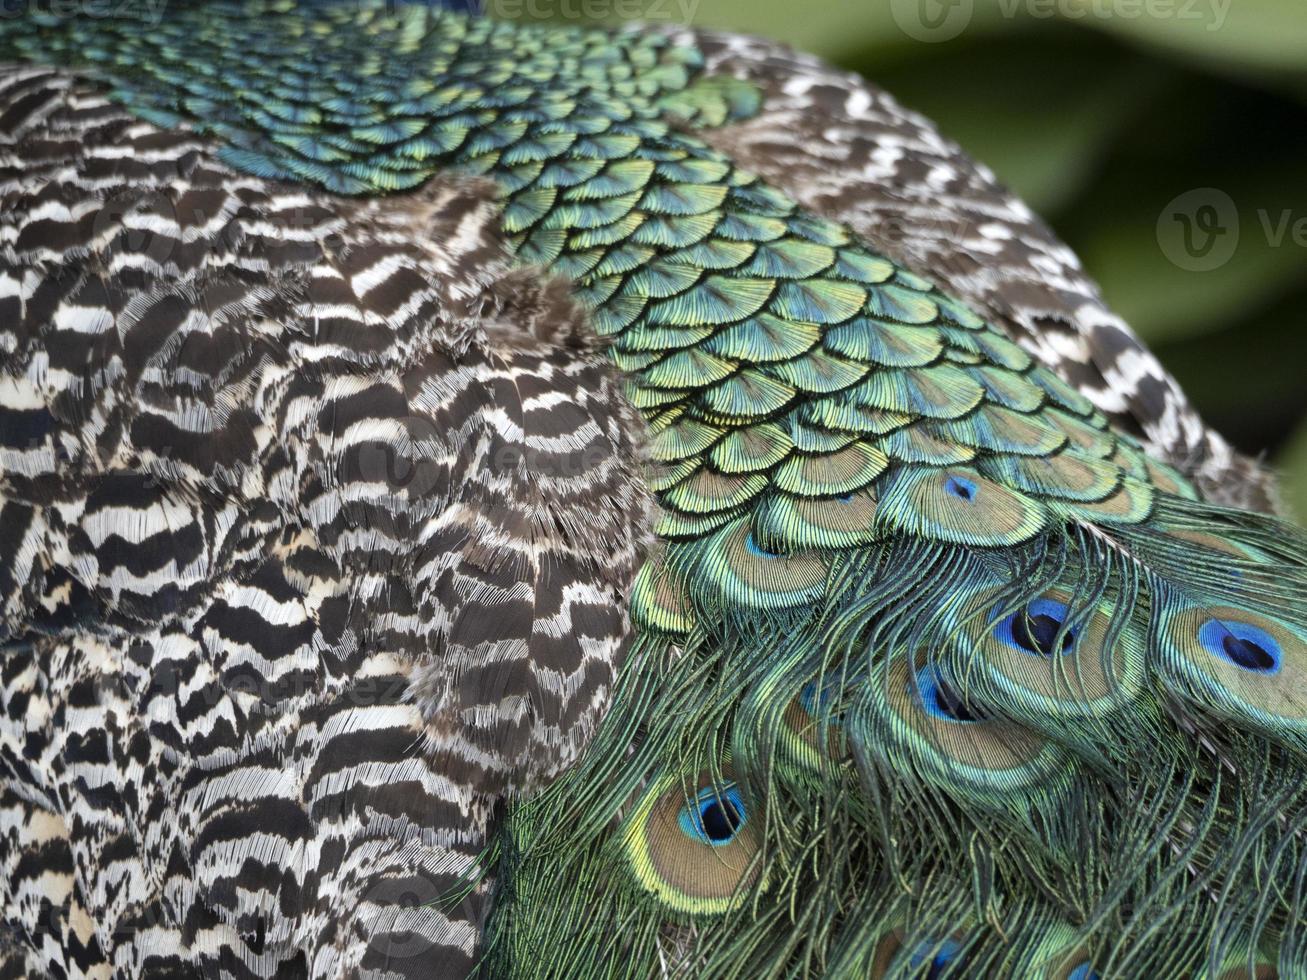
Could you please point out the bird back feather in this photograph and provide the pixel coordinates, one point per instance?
(936, 673)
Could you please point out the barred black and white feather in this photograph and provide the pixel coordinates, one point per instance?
(303, 568)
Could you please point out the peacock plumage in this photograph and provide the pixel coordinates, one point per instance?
(500, 499)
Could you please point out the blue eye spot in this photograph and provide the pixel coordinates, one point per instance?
(961, 487)
(941, 701)
(846, 499)
(714, 817)
(1083, 972)
(756, 550)
(811, 700)
(939, 955)
(1034, 629)
(1242, 644)
(816, 700)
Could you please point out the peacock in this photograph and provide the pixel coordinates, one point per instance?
(514, 500)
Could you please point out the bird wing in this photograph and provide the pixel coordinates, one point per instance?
(318, 519)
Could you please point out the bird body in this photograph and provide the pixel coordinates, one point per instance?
(888, 617)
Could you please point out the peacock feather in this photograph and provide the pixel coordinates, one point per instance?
(936, 672)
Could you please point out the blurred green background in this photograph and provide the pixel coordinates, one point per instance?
(1101, 113)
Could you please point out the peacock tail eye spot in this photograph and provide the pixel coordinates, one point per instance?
(721, 821)
(1247, 654)
(941, 701)
(1242, 644)
(816, 699)
(811, 698)
(961, 487)
(714, 817)
(693, 845)
(940, 956)
(1034, 629)
(757, 550)
(1038, 634)
(1083, 972)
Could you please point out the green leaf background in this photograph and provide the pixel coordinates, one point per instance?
(1100, 113)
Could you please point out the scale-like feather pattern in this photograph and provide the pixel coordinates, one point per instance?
(846, 149)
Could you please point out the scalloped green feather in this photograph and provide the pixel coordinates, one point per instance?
(785, 523)
(716, 254)
(659, 601)
(1061, 392)
(810, 439)
(842, 414)
(687, 438)
(618, 178)
(1132, 461)
(819, 373)
(886, 344)
(673, 526)
(1085, 436)
(818, 300)
(902, 305)
(733, 570)
(717, 299)
(764, 339)
(1002, 430)
(660, 279)
(749, 395)
(746, 227)
(648, 339)
(861, 267)
(627, 228)
(941, 392)
(1132, 503)
(790, 258)
(673, 231)
(686, 368)
(959, 506)
(752, 449)
(837, 473)
(706, 491)
(1068, 475)
(683, 199)
(693, 171)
